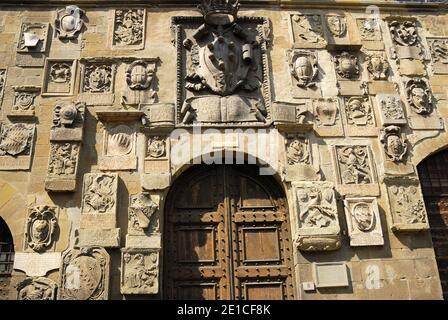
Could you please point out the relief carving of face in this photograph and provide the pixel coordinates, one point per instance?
(303, 67)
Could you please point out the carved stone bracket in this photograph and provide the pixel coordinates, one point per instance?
(99, 211)
(160, 116)
(36, 289)
(16, 145)
(317, 216)
(363, 221)
(407, 207)
(84, 274)
(139, 271)
(41, 228)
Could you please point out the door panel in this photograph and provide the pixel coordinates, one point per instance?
(227, 237)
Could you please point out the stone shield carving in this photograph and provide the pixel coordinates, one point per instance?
(363, 221)
(36, 289)
(129, 28)
(347, 66)
(297, 150)
(378, 66)
(98, 78)
(84, 274)
(303, 67)
(41, 228)
(419, 96)
(404, 33)
(395, 146)
(141, 210)
(99, 193)
(317, 216)
(16, 139)
(139, 75)
(336, 24)
(156, 147)
(69, 22)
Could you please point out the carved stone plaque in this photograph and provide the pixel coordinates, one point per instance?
(16, 146)
(299, 159)
(69, 22)
(119, 147)
(439, 54)
(36, 289)
(32, 44)
(224, 78)
(307, 31)
(41, 228)
(140, 80)
(359, 117)
(363, 222)
(327, 117)
(355, 170)
(391, 110)
(317, 216)
(129, 29)
(330, 274)
(157, 154)
(99, 211)
(59, 77)
(98, 81)
(24, 103)
(304, 73)
(139, 271)
(37, 264)
(62, 166)
(84, 274)
(407, 206)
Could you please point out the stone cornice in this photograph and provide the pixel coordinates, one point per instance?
(287, 4)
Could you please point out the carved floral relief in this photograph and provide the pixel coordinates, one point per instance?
(63, 160)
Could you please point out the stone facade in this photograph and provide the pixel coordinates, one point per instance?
(92, 98)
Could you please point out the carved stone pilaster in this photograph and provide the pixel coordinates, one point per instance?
(317, 216)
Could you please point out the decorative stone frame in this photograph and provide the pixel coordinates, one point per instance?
(45, 82)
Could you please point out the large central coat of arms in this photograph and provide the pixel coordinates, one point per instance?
(222, 66)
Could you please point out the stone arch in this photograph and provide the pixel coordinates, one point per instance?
(13, 206)
(428, 147)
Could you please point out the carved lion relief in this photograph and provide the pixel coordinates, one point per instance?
(69, 22)
(84, 274)
(36, 289)
(41, 228)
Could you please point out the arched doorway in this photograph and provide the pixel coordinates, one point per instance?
(433, 174)
(227, 236)
(6, 259)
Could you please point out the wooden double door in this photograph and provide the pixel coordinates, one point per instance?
(227, 236)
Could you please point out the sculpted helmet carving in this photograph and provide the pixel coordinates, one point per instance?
(219, 12)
